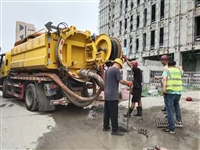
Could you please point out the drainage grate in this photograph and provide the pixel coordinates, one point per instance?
(163, 123)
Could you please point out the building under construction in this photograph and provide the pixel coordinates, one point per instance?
(148, 29)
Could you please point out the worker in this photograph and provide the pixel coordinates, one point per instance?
(112, 79)
(164, 61)
(137, 88)
(172, 89)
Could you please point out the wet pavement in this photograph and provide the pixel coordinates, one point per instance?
(75, 128)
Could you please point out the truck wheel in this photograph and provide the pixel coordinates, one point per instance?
(31, 97)
(43, 101)
(5, 95)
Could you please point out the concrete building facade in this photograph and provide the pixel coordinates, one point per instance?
(151, 28)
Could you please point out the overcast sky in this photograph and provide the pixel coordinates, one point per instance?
(83, 14)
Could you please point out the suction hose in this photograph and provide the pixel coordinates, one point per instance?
(56, 79)
(80, 104)
(87, 73)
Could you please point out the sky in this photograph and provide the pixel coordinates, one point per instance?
(81, 13)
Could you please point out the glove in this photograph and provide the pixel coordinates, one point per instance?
(129, 83)
(125, 57)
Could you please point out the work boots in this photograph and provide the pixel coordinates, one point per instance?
(128, 113)
(139, 111)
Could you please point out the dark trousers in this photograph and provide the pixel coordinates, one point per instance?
(111, 112)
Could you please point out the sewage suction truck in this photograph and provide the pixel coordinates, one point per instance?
(57, 66)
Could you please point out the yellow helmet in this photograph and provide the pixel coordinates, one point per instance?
(119, 61)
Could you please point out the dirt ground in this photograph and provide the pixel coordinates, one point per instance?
(75, 128)
(82, 129)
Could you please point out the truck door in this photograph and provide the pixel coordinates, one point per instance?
(2, 65)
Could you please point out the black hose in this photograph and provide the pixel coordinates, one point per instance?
(64, 24)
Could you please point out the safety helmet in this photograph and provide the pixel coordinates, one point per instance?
(134, 63)
(188, 99)
(119, 61)
(164, 57)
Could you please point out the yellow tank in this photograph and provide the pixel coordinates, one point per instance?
(72, 49)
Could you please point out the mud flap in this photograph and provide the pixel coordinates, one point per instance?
(43, 101)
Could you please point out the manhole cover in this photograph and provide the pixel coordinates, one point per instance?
(163, 123)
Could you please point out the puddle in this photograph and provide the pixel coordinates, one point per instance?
(10, 105)
(3, 105)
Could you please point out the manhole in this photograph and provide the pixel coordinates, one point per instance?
(163, 123)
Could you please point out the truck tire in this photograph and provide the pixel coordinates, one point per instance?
(31, 97)
(43, 101)
(5, 95)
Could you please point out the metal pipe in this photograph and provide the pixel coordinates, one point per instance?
(56, 79)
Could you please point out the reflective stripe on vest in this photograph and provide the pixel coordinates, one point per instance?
(174, 80)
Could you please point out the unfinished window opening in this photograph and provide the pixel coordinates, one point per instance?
(137, 45)
(131, 40)
(121, 4)
(132, 5)
(138, 2)
(153, 13)
(112, 34)
(113, 25)
(129, 76)
(131, 18)
(131, 49)
(126, 3)
(113, 16)
(197, 3)
(113, 6)
(162, 9)
(144, 41)
(138, 21)
(152, 39)
(124, 42)
(120, 27)
(125, 25)
(161, 37)
(197, 26)
(145, 16)
(131, 27)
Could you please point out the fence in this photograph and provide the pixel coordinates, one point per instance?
(191, 81)
(189, 78)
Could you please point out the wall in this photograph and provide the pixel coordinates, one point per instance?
(178, 27)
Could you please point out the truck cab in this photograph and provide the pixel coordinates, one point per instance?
(4, 66)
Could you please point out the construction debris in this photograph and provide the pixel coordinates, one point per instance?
(143, 131)
(163, 123)
(97, 108)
